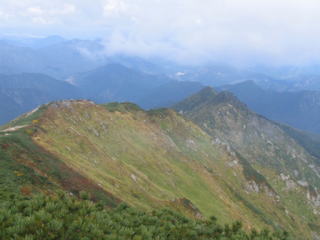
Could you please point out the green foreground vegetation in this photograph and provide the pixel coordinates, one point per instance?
(66, 217)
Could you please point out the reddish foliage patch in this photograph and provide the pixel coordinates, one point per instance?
(26, 190)
(69, 179)
(5, 146)
(75, 182)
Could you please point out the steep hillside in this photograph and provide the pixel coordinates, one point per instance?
(270, 155)
(155, 159)
(309, 141)
(27, 168)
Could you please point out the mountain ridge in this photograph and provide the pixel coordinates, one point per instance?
(263, 143)
(161, 158)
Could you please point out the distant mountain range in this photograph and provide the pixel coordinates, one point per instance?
(23, 92)
(34, 42)
(286, 79)
(63, 58)
(60, 59)
(281, 94)
(113, 82)
(299, 109)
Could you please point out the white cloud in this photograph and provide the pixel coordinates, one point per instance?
(35, 11)
(67, 9)
(47, 15)
(114, 7)
(4, 16)
(277, 31)
(234, 30)
(39, 12)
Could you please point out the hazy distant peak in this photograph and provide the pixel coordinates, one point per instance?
(208, 96)
(203, 96)
(208, 91)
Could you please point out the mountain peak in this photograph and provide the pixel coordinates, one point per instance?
(111, 67)
(246, 87)
(228, 97)
(207, 91)
(205, 95)
(208, 96)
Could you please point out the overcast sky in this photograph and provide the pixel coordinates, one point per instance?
(239, 31)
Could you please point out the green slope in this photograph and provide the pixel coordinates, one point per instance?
(147, 159)
(275, 161)
(154, 159)
(28, 168)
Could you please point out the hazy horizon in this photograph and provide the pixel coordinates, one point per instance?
(239, 33)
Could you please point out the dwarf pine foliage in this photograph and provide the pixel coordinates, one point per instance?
(65, 217)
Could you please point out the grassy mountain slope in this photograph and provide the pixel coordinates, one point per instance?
(271, 156)
(27, 168)
(309, 141)
(148, 159)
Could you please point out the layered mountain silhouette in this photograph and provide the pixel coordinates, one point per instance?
(299, 109)
(20, 93)
(113, 82)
